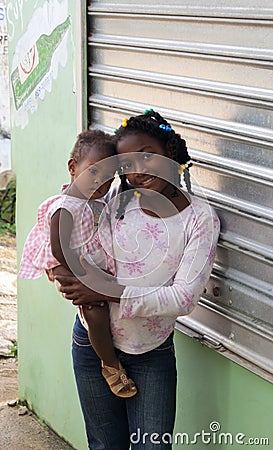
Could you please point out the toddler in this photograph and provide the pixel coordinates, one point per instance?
(71, 225)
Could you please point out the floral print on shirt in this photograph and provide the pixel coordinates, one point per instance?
(152, 231)
(164, 265)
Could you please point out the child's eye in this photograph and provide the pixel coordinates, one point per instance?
(147, 156)
(93, 171)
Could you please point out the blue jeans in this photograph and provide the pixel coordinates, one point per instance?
(144, 421)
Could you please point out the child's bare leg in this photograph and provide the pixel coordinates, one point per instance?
(99, 333)
(97, 318)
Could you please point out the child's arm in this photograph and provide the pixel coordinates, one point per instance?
(60, 233)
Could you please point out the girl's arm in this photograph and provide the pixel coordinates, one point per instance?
(95, 286)
(60, 234)
(177, 299)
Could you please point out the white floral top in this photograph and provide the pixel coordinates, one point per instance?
(165, 264)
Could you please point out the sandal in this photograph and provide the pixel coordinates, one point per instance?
(113, 375)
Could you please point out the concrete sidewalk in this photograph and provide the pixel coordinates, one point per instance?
(25, 432)
(19, 428)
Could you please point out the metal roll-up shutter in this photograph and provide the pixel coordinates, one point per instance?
(207, 68)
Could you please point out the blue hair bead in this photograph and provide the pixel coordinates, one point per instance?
(165, 127)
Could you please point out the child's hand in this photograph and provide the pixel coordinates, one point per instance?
(50, 275)
(58, 270)
(61, 270)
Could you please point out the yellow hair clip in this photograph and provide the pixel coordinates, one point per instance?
(137, 194)
(124, 123)
(181, 168)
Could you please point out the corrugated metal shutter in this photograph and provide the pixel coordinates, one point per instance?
(207, 68)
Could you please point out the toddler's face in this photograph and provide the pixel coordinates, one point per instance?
(93, 175)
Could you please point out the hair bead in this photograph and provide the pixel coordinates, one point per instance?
(181, 168)
(165, 127)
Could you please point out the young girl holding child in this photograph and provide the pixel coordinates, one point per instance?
(69, 226)
(164, 242)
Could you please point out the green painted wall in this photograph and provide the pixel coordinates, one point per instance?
(211, 388)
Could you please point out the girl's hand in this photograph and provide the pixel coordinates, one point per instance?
(80, 294)
(94, 288)
(88, 288)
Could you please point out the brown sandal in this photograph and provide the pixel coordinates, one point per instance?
(112, 375)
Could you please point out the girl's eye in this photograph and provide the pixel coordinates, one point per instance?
(147, 156)
(93, 171)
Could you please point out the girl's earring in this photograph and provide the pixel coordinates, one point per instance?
(181, 168)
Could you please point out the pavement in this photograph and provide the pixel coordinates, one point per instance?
(20, 429)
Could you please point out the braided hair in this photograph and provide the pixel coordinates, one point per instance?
(155, 126)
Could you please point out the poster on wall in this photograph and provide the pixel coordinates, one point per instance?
(39, 52)
(5, 155)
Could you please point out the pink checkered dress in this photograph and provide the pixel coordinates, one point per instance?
(86, 238)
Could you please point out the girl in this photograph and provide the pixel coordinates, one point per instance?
(164, 242)
(67, 228)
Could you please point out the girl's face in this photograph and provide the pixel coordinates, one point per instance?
(92, 175)
(145, 163)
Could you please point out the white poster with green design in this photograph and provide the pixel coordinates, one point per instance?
(39, 53)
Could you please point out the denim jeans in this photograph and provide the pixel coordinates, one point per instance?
(144, 421)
